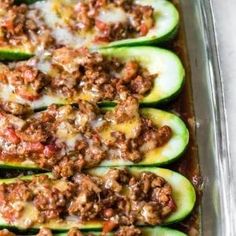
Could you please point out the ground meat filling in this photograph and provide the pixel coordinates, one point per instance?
(128, 231)
(16, 193)
(118, 198)
(75, 74)
(122, 231)
(21, 27)
(27, 81)
(125, 20)
(67, 139)
(154, 196)
(107, 78)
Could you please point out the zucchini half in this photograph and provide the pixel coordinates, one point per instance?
(183, 194)
(166, 22)
(166, 154)
(146, 231)
(159, 156)
(164, 63)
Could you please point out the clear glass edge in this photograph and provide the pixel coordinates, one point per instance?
(217, 217)
(221, 126)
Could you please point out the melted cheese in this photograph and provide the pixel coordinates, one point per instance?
(60, 31)
(46, 10)
(129, 128)
(45, 101)
(61, 185)
(113, 15)
(44, 66)
(65, 36)
(65, 135)
(7, 93)
(51, 12)
(63, 8)
(98, 123)
(72, 140)
(29, 216)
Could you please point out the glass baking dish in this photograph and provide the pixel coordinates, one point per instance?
(203, 92)
(217, 206)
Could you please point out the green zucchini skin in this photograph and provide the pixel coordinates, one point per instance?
(158, 157)
(26, 1)
(165, 64)
(183, 194)
(11, 54)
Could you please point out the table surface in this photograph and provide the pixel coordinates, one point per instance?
(225, 17)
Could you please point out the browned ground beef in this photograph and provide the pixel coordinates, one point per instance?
(18, 28)
(20, 25)
(128, 231)
(27, 81)
(148, 198)
(85, 18)
(43, 137)
(110, 79)
(10, 193)
(75, 72)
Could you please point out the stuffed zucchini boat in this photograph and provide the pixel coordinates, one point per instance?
(22, 32)
(66, 139)
(102, 197)
(153, 75)
(123, 231)
(91, 24)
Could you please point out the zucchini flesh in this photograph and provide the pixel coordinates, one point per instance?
(161, 62)
(183, 194)
(159, 156)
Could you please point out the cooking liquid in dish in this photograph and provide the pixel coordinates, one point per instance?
(188, 164)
